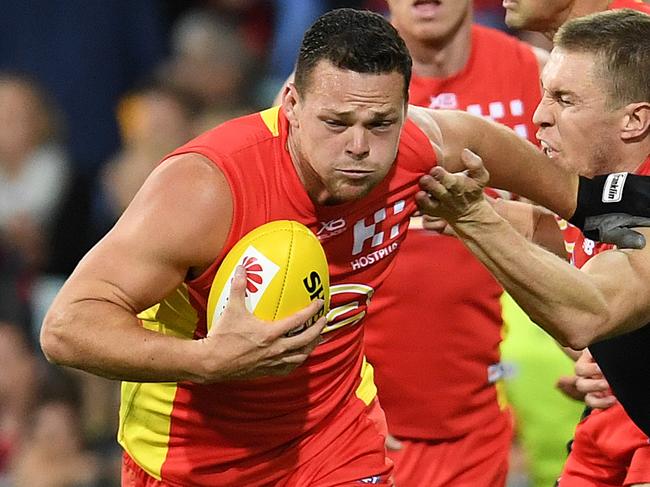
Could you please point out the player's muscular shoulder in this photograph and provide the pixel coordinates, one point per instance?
(186, 205)
(424, 118)
(449, 131)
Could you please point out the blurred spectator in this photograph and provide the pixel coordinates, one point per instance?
(291, 21)
(87, 53)
(252, 18)
(33, 178)
(17, 389)
(52, 453)
(209, 60)
(490, 13)
(154, 120)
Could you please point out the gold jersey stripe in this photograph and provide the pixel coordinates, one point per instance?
(145, 409)
(270, 117)
(367, 390)
(145, 421)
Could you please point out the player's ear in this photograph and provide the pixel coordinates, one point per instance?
(291, 104)
(636, 121)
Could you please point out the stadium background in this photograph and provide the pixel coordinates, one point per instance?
(97, 92)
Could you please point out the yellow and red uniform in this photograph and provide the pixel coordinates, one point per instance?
(320, 425)
(434, 328)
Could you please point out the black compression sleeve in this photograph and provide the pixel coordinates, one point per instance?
(612, 193)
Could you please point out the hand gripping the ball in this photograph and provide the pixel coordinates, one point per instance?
(241, 346)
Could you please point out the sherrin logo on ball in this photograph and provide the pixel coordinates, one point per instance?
(286, 269)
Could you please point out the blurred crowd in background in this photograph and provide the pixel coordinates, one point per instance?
(93, 94)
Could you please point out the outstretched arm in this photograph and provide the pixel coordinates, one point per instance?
(176, 225)
(518, 166)
(577, 307)
(514, 164)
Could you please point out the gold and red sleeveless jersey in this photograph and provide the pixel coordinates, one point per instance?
(633, 4)
(434, 328)
(623, 359)
(219, 434)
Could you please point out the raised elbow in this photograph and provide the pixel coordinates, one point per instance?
(52, 339)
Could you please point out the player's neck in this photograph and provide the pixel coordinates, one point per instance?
(628, 159)
(444, 58)
(309, 179)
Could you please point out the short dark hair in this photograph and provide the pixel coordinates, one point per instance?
(357, 40)
(620, 39)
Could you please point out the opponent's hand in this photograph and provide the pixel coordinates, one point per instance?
(452, 196)
(437, 225)
(241, 346)
(617, 229)
(591, 382)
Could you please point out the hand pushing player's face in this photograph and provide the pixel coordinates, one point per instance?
(428, 20)
(577, 128)
(537, 15)
(344, 131)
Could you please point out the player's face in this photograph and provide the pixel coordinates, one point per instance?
(577, 129)
(344, 131)
(537, 15)
(428, 21)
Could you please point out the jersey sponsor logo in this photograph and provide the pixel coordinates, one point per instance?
(613, 188)
(448, 101)
(371, 258)
(588, 246)
(331, 228)
(373, 232)
(260, 270)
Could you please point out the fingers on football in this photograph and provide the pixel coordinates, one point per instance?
(298, 319)
(237, 299)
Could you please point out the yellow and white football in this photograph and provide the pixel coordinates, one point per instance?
(286, 269)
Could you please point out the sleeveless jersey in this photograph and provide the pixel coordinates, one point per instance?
(188, 433)
(434, 328)
(623, 359)
(633, 4)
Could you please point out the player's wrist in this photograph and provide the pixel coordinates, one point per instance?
(202, 365)
(478, 213)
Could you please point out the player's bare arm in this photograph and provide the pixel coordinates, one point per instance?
(514, 164)
(577, 307)
(535, 223)
(174, 228)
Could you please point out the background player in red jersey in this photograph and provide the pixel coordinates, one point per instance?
(595, 117)
(546, 16)
(341, 146)
(440, 397)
